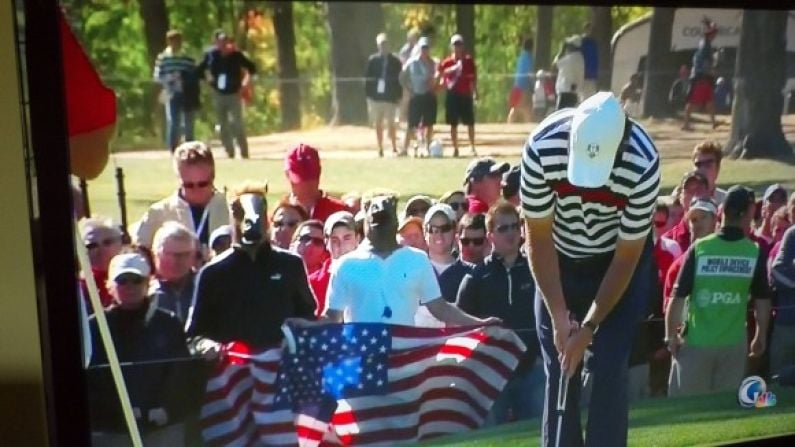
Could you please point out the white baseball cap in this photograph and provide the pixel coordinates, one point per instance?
(456, 38)
(443, 208)
(597, 130)
(128, 263)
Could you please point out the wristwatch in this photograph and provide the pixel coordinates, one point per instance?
(590, 325)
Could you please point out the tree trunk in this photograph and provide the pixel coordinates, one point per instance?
(660, 69)
(543, 40)
(155, 18)
(758, 82)
(289, 89)
(349, 53)
(465, 24)
(602, 31)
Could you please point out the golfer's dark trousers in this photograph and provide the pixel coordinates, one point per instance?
(608, 408)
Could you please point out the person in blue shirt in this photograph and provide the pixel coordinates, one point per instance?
(520, 96)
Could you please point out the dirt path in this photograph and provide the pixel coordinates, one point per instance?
(495, 139)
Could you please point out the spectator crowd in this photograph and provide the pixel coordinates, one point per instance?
(206, 271)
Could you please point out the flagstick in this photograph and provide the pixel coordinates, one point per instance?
(104, 332)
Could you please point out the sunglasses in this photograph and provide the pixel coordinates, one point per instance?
(134, 279)
(437, 229)
(459, 205)
(285, 223)
(704, 163)
(507, 227)
(104, 242)
(202, 184)
(306, 239)
(478, 241)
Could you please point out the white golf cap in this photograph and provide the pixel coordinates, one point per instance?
(443, 208)
(128, 263)
(597, 129)
(456, 38)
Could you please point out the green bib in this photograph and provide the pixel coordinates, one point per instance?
(717, 308)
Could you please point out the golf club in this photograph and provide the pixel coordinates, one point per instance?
(563, 391)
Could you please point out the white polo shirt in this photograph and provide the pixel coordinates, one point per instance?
(368, 288)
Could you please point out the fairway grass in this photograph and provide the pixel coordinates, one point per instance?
(149, 179)
(688, 421)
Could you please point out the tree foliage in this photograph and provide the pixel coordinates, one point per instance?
(113, 35)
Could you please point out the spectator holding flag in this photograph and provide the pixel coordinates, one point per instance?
(246, 293)
(382, 282)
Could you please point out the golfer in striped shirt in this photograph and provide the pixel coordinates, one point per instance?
(590, 178)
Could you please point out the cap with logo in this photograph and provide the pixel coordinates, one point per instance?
(302, 163)
(597, 130)
(339, 218)
(443, 208)
(738, 200)
(128, 263)
(481, 167)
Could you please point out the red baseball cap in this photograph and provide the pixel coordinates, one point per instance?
(302, 163)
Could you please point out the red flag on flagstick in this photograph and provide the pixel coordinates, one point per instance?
(90, 108)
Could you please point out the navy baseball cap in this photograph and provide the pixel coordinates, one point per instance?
(481, 167)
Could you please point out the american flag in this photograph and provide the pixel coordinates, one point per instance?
(360, 384)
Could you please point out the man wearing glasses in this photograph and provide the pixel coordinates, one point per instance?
(707, 156)
(472, 243)
(590, 180)
(457, 201)
(309, 244)
(502, 286)
(196, 203)
(103, 241)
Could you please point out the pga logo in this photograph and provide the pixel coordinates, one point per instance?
(753, 393)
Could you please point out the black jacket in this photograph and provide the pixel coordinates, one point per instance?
(492, 290)
(139, 335)
(238, 299)
(375, 71)
(450, 279)
(230, 64)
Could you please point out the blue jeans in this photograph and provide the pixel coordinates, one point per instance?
(523, 395)
(177, 120)
(608, 407)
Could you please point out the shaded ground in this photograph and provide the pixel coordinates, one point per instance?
(494, 139)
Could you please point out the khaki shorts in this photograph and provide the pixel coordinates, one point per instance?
(380, 110)
(697, 370)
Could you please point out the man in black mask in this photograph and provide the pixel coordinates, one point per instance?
(383, 282)
(245, 294)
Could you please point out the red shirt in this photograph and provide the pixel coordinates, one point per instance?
(325, 206)
(665, 252)
(670, 280)
(680, 233)
(476, 205)
(463, 80)
(318, 280)
(100, 278)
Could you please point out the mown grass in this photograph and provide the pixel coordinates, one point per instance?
(688, 421)
(148, 179)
